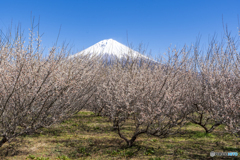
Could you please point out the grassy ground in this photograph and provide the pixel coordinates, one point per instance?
(86, 136)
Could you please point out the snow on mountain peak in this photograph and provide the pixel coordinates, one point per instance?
(110, 47)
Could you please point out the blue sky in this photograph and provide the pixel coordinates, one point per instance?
(155, 23)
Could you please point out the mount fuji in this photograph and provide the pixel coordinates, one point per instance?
(111, 50)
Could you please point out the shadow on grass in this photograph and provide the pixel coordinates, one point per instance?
(92, 147)
(111, 148)
(72, 125)
(231, 149)
(13, 149)
(45, 132)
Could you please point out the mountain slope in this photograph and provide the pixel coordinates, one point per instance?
(111, 49)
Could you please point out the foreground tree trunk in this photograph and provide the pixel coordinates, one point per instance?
(134, 137)
(4, 140)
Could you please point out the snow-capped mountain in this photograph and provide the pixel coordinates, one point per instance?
(111, 49)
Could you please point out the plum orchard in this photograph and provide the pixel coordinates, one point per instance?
(157, 98)
(38, 92)
(160, 98)
(148, 94)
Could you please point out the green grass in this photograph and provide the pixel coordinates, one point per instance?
(86, 136)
